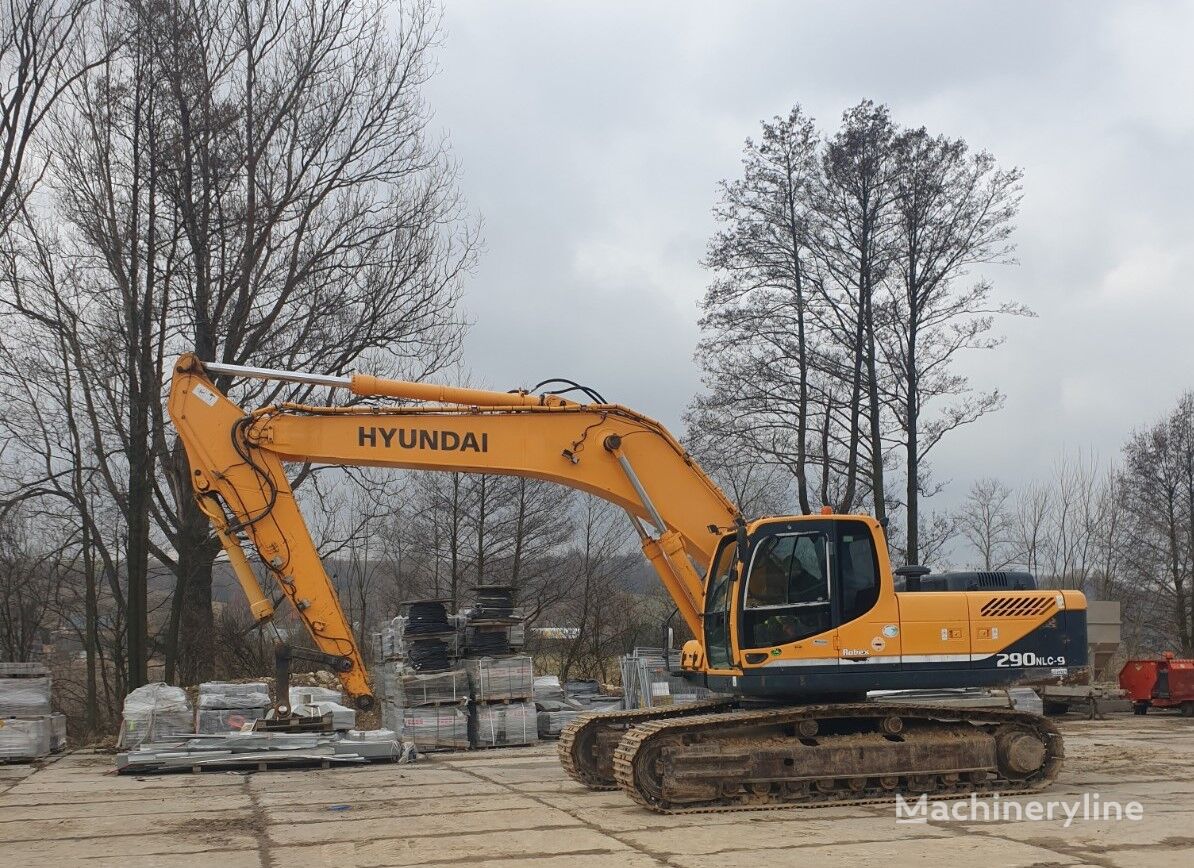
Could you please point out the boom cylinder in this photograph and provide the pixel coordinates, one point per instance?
(367, 385)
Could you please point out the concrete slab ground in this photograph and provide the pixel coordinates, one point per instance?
(515, 807)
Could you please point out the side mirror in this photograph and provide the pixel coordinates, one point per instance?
(743, 539)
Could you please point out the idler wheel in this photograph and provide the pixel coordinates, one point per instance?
(1021, 752)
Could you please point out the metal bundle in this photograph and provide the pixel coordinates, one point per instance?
(238, 750)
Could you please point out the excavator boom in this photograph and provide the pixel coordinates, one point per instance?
(236, 460)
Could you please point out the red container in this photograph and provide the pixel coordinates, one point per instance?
(1163, 682)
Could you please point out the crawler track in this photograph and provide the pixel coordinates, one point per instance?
(848, 754)
(587, 744)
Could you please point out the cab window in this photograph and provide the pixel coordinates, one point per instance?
(787, 590)
(717, 600)
(858, 571)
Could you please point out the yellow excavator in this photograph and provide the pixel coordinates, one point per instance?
(797, 618)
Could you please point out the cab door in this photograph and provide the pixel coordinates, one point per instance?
(719, 592)
(868, 632)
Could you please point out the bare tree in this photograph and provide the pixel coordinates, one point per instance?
(1159, 471)
(763, 256)
(835, 312)
(257, 183)
(42, 54)
(953, 210)
(1029, 525)
(592, 575)
(985, 522)
(853, 241)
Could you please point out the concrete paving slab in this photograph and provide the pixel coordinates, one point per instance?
(445, 823)
(800, 831)
(104, 827)
(511, 808)
(1150, 857)
(338, 795)
(624, 816)
(382, 774)
(521, 774)
(527, 844)
(120, 808)
(921, 852)
(128, 784)
(70, 850)
(222, 858)
(580, 860)
(400, 808)
(1174, 830)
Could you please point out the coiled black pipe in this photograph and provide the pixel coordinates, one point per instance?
(495, 602)
(428, 655)
(488, 642)
(426, 616)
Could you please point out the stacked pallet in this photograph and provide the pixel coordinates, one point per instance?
(501, 682)
(28, 729)
(424, 689)
(429, 709)
(503, 707)
(450, 682)
(154, 712)
(227, 707)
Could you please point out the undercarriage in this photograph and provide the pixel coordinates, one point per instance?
(719, 756)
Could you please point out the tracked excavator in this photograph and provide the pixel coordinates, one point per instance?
(796, 618)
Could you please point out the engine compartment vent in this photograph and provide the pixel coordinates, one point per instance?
(1017, 607)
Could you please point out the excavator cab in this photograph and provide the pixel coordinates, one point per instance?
(803, 577)
(812, 611)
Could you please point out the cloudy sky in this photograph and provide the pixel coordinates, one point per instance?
(591, 137)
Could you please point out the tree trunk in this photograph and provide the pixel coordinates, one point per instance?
(913, 456)
(196, 556)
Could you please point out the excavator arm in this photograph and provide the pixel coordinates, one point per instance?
(236, 463)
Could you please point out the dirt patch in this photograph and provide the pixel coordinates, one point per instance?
(246, 824)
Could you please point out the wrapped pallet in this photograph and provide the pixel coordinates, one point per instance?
(404, 688)
(222, 694)
(547, 688)
(154, 712)
(434, 727)
(25, 737)
(24, 689)
(552, 723)
(494, 679)
(505, 724)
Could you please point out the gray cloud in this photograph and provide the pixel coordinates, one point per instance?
(591, 137)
